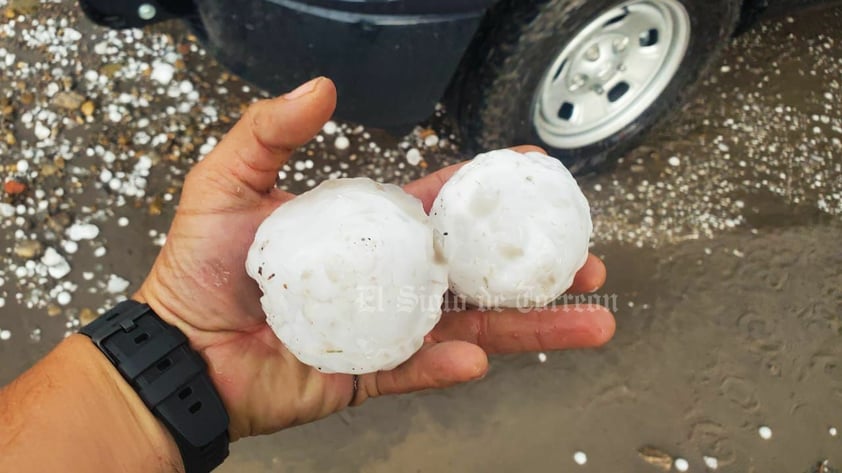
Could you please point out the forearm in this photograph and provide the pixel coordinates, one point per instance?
(73, 412)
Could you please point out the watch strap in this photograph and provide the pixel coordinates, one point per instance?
(170, 377)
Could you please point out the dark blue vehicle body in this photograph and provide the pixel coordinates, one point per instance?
(392, 60)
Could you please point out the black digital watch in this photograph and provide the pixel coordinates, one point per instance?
(170, 377)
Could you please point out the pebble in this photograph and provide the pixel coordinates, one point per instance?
(14, 187)
(27, 249)
(681, 464)
(68, 100)
(86, 316)
(82, 231)
(711, 462)
(87, 108)
(765, 432)
(580, 458)
(342, 142)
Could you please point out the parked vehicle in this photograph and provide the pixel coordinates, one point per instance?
(584, 78)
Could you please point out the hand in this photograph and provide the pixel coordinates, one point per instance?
(199, 284)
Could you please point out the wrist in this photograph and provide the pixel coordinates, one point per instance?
(146, 441)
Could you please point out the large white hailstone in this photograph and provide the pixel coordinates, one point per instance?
(514, 229)
(350, 277)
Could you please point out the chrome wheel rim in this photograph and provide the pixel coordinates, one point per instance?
(611, 72)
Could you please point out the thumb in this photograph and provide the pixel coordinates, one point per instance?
(247, 160)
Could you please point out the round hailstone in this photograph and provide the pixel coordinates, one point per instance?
(514, 229)
(764, 432)
(342, 142)
(350, 276)
(580, 458)
(681, 464)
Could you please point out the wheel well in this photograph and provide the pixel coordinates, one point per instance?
(750, 12)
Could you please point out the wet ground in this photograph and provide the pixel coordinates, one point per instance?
(722, 235)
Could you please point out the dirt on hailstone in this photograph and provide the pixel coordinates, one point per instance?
(721, 235)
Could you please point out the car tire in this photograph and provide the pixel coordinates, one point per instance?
(508, 73)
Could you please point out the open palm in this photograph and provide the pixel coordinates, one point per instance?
(199, 284)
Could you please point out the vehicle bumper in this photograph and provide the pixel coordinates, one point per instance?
(390, 67)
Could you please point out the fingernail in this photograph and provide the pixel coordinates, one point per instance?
(303, 89)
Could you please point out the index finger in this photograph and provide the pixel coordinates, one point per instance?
(427, 188)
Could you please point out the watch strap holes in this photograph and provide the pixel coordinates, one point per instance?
(164, 364)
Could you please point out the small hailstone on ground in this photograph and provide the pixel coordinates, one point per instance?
(431, 140)
(5, 335)
(330, 127)
(580, 458)
(413, 157)
(63, 298)
(342, 142)
(542, 357)
(116, 284)
(82, 231)
(832, 431)
(765, 432)
(681, 464)
(70, 246)
(162, 72)
(514, 229)
(122, 221)
(674, 161)
(41, 131)
(57, 266)
(351, 278)
(711, 462)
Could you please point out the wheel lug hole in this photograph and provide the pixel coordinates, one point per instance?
(592, 54)
(620, 44)
(577, 82)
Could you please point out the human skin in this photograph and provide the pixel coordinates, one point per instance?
(73, 412)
